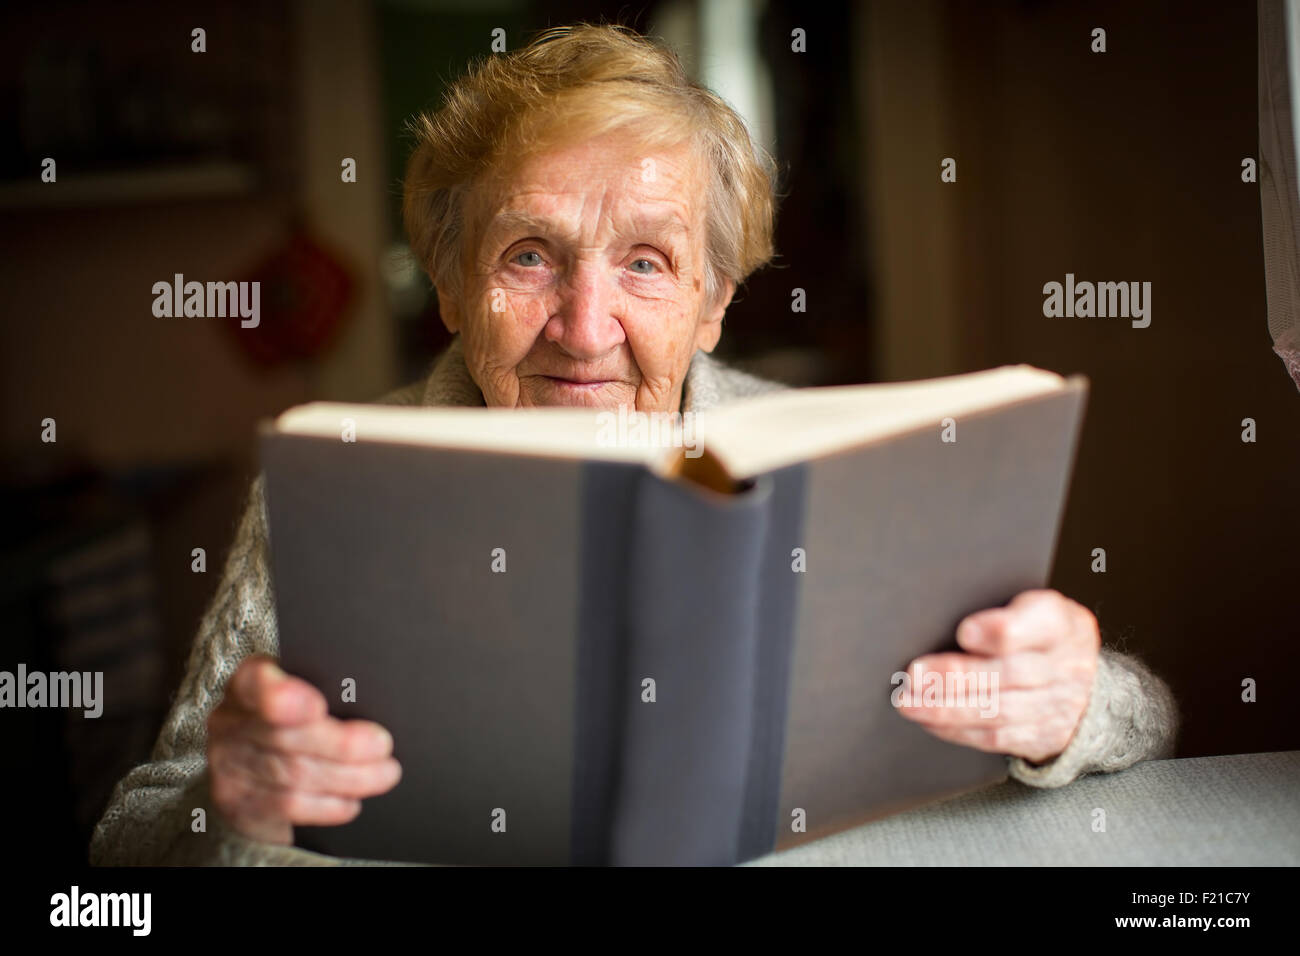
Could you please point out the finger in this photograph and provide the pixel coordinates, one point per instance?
(998, 740)
(260, 687)
(289, 771)
(1078, 625)
(1042, 721)
(266, 813)
(1033, 621)
(342, 741)
(993, 708)
(1022, 670)
(263, 806)
(1019, 740)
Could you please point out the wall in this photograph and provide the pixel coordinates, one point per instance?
(1115, 166)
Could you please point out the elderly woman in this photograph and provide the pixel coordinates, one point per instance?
(585, 213)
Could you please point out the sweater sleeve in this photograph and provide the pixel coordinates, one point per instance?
(1131, 716)
(150, 818)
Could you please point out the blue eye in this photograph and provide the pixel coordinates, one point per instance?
(536, 259)
(651, 267)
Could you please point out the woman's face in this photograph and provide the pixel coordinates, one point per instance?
(586, 283)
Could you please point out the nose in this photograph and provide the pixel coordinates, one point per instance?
(584, 325)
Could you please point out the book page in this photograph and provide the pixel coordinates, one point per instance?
(773, 431)
(747, 439)
(578, 433)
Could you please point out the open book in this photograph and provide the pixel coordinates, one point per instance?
(599, 638)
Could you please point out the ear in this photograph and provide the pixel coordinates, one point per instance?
(449, 309)
(710, 328)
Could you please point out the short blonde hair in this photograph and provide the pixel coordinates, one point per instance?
(568, 82)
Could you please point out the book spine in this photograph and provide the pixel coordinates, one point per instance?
(690, 674)
(780, 574)
(606, 537)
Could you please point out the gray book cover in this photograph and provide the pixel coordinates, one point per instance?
(588, 663)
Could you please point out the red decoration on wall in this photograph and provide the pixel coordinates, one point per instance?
(305, 295)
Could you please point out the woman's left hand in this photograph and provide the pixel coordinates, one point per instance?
(1039, 656)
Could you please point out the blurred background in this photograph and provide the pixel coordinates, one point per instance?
(225, 165)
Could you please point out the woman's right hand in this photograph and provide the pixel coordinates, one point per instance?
(277, 759)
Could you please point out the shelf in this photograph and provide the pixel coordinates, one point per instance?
(159, 184)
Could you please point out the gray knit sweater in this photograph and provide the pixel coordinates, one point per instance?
(150, 819)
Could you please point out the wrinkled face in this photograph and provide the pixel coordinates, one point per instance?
(586, 281)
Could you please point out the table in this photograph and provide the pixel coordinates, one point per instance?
(1238, 810)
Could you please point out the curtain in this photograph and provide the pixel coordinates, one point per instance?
(1279, 143)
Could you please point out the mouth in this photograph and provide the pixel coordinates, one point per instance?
(580, 385)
